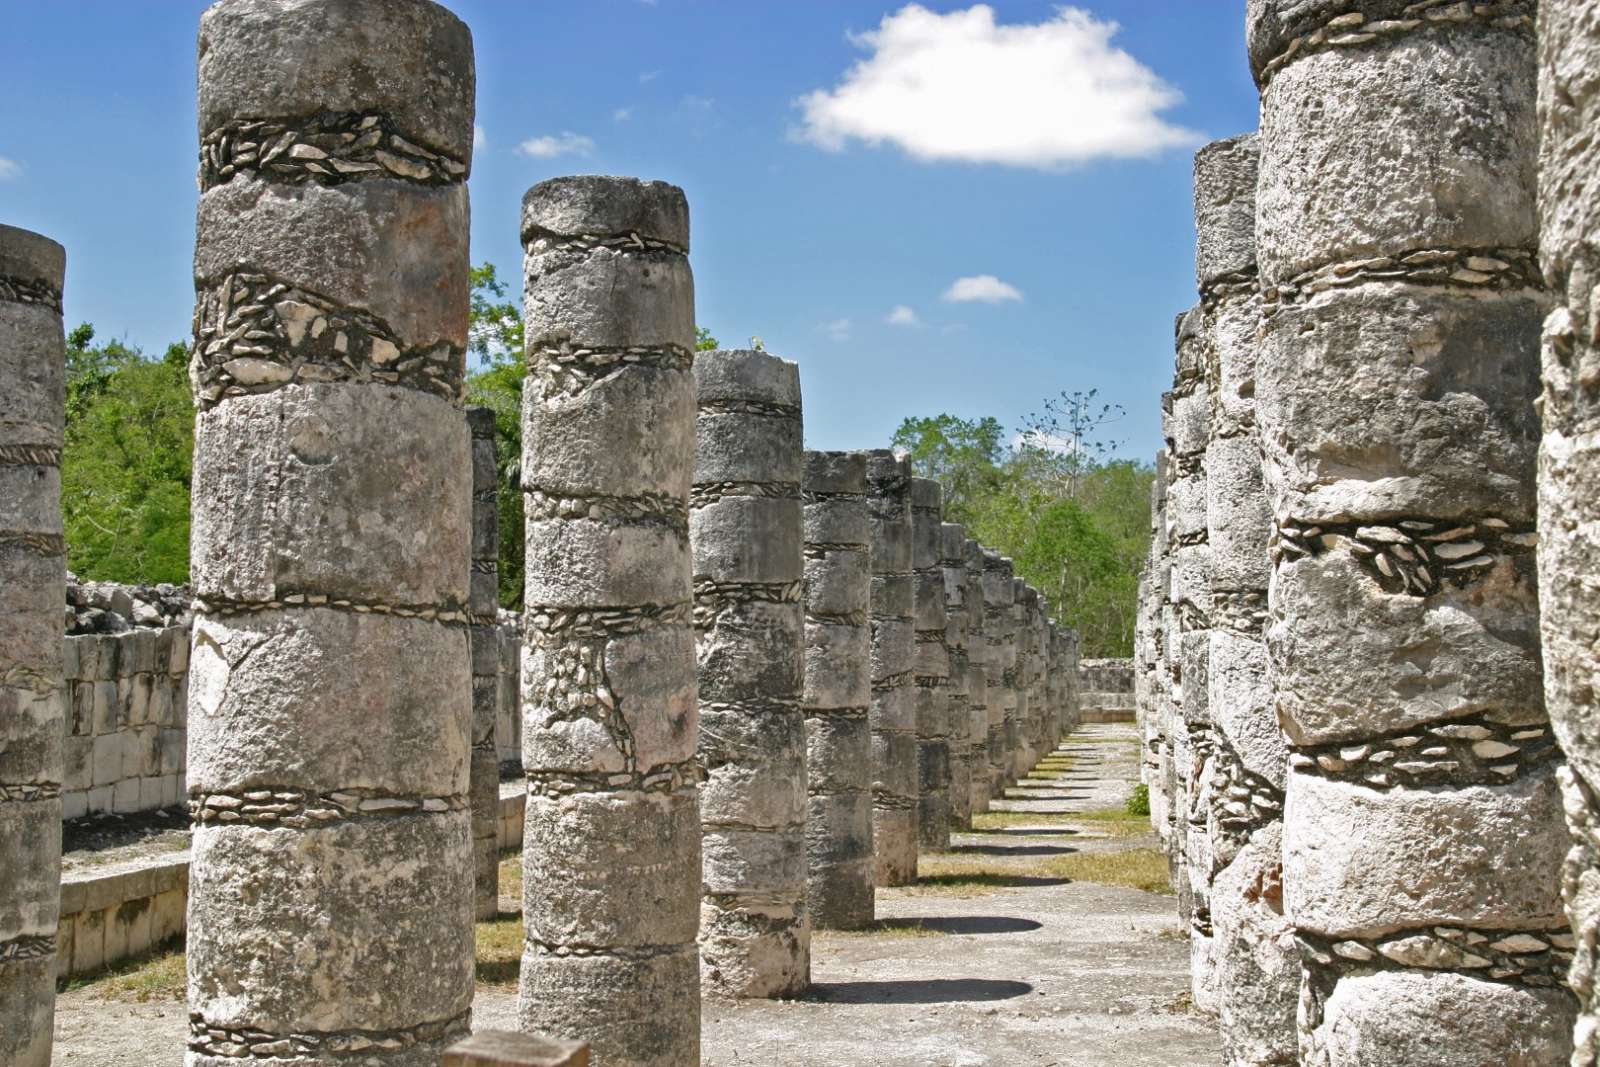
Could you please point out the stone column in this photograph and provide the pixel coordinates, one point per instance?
(485, 639)
(611, 860)
(1022, 646)
(1256, 957)
(998, 624)
(32, 592)
(838, 691)
(1191, 599)
(330, 709)
(1150, 682)
(745, 530)
(977, 675)
(1397, 376)
(1569, 467)
(893, 716)
(953, 571)
(932, 670)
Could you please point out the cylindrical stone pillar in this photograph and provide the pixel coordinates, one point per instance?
(977, 676)
(611, 859)
(1017, 715)
(1397, 375)
(999, 626)
(1191, 598)
(745, 530)
(838, 691)
(33, 574)
(953, 571)
(1258, 964)
(932, 671)
(894, 710)
(330, 708)
(1569, 468)
(485, 638)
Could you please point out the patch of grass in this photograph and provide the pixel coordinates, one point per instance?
(1136, 868)
(945, 874)
(154, 975)
(888, 928)
(511, 874)
(1115, 822)
(499, 951)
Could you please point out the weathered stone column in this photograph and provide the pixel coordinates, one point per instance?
(33, 574)
(838, 691)
(1569, 467)
(611, 859)
(485, 638)
(1150, 681)
(932, 671)
(1397, 373)
(953, 571)
(977, 675)
(1017, 714)
(330, 708)
(1191, 596)
(894, 714)
(745, 529)
(998, 624)
(1256, 957)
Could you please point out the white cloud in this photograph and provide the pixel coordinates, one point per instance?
(479, 139)
(981, 288)
(958, 86)
(648, 76)
(549, 146)
(836, 329)
(9, 168)
(622, 114)
(900, 315)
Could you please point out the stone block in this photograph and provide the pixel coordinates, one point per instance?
(502, 1048)
(249, 923)
(288, 699)
(1351, 855)
(647, 1011)
(342, 526)
(604, 868)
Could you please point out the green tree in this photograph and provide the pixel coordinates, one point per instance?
(1074, 522)
(125, 471)
(963, 455)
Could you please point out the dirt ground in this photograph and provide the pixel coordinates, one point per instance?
(1005, 953)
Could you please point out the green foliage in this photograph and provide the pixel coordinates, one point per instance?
(125, 470)
(1074, 523)
(703, 341)
(1139, 802)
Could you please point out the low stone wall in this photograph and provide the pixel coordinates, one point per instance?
(1105, 690)
(127, 696)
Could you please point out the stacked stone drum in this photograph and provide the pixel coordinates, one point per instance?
(33, 575)
(745, 529)
(931, 674)
(1398, 368)
(1569, 465)
(1256, 957)
(485, 637)
(838, 691)
(332, 848)
(953, 572)
(611, 860)
(893, 715)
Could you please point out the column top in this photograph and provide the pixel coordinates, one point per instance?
(605, 206)
(743, 374)
(407, 61)
(31, 257)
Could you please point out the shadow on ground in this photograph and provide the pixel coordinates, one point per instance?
(918, 991)
(990, 878)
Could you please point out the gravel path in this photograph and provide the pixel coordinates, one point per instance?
(1031, 972)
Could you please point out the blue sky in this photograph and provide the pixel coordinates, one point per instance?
(1024, 148)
